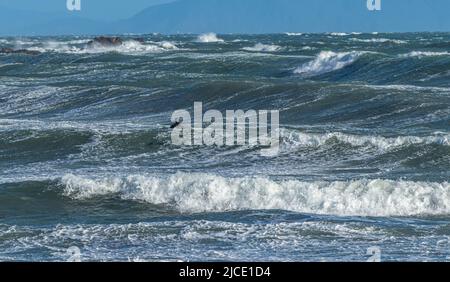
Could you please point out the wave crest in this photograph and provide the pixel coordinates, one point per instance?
(421, 54)
(259, 47)
(339, 34)
(379, 40)
(328, 61)
(127, 47)
(209, 38)
(301, 139)
(193, 193)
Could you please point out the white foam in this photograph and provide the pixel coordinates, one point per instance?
(168, 45)
(127, 47)
(379, 40)
(295, 139)
(173, 240)
(328, 61)
(339, 34)
(193, 193)
(259, 47)
(209, 38)
(294, 33)
(130, 47)
(421, 54)
(78, 41)
(55, 46)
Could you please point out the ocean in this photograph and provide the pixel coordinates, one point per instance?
(362, 173)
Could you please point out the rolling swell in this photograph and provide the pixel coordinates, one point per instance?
(195, 193)
(86, 157)
(203, 193)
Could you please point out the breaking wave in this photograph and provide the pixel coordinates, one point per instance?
(328, 61)
(192, 193)
(209, 38)
(168, 45)
(128, 47)
(379, 40)
(420, 54)
(301, 139)
(339, 34)
(259, 47)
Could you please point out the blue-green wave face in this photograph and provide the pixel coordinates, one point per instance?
(86, 157)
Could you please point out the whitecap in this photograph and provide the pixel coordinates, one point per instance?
(380, 40)
(339, 34)
(328, 61)
(192, 193)
(296, 139)
(259, 47)
(421, 54)
(127, 47)
(209, 38)
(131, 47)
(168, 45)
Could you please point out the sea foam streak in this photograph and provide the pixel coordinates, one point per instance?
(421, 54)
(169, 239)
(328, 61)
(259, 47)
(193, 193)
(379, 40)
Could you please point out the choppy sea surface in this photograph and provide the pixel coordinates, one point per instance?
(86, 158)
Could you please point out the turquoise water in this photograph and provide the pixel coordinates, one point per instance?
(86, 158)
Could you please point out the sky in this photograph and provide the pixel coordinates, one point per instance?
(51, 17)
(105, 10)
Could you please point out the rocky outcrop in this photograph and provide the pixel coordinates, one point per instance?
(18, 51)
(106, 41)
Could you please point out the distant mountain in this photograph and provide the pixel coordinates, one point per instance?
(243, 16)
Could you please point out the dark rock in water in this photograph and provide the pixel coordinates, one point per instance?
(6, 50)
(106, 41)
(18, 51)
